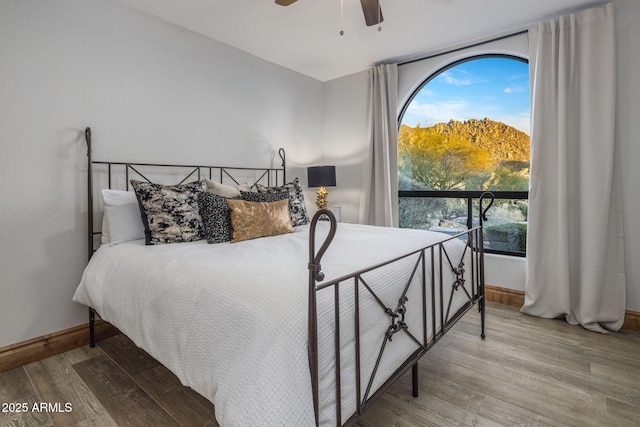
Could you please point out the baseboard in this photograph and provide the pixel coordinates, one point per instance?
(35, 349)
(516, 298)
(632, 321)
(504, 296)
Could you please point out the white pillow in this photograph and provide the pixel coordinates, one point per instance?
(222, 189)
(244, 187)
(106, 233)
(121, 221)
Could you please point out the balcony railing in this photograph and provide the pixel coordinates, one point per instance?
(453, 211)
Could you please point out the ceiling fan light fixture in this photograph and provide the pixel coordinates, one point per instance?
(370, 8)
(372, 12)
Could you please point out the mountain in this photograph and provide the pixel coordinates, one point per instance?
(503, 142)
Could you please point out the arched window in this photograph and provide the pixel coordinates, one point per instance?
(465, 130)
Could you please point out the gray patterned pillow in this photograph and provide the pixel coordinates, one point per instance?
(170, 213)
(216, 217)
(275, 196)
(297, 208)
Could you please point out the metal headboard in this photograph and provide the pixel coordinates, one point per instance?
(268, 176)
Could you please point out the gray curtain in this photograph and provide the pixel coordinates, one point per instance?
(379, 196)
(575, 252)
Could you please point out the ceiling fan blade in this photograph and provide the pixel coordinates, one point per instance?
(285, 2)
(372, 12)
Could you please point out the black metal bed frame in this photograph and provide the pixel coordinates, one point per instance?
(428, 256)
(430, 259)
(268, 176)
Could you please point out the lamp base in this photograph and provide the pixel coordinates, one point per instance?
(321, 198)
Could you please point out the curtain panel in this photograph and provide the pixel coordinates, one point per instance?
(379, 196)
(575, 253)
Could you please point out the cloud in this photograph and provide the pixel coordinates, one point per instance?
(515, 89)
(521, 76)
(458, 77)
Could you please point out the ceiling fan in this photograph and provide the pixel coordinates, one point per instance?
(370, 8)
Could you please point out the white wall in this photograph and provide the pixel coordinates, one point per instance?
(148, 88)
(344, 133)
(508, 272)
(150, 92)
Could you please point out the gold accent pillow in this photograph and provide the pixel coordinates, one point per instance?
(250, 220)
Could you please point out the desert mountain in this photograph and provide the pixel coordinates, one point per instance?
(503, 142)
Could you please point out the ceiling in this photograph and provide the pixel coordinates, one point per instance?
(305, 36)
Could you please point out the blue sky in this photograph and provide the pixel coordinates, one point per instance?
(497, 88)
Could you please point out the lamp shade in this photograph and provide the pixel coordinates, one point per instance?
(321, 176)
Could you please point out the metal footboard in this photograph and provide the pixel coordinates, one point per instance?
(439, 277)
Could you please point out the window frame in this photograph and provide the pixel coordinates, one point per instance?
(470, 195)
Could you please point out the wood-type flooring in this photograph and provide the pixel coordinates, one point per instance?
(527, 372)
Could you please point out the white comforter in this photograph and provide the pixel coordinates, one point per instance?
(230, 320)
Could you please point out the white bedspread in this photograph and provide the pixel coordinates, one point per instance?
(230, 320)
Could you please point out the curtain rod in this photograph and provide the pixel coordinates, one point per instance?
(435, 55)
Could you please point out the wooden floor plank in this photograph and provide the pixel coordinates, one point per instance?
(624, 413)
(542, 397)
(384, 413)
(81, 354)
(30, 417)
(629, 378)
(125, 401)
(69, 400)
(16, 390)
(15, 385)
(456, 394)
(429, 410)
(185, 405)
(504, 413)
(513, 344)
(130, 358)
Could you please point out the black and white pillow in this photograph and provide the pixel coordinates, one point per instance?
(216, 217)
(274, 196)
(297, 208)
(170, 213)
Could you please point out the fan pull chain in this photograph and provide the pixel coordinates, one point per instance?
(342, 17)
(379, 10)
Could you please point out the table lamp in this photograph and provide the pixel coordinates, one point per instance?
(321, 177)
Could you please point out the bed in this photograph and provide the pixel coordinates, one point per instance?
(301, 328)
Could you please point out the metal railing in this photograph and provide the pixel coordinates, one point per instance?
(470, 197)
